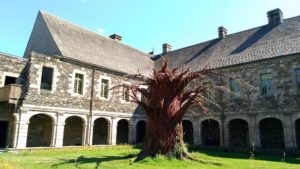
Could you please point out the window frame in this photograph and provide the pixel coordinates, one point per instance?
(41, 80)
(76, 90)
(262, 83)
(233, 89)
(100, 87)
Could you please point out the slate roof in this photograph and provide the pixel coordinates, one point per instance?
(72, 41)
(255, 44)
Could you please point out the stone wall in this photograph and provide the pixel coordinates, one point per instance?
(62, 96)
(284, 101)
(12, 66)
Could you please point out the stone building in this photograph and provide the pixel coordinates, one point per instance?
(57, 94)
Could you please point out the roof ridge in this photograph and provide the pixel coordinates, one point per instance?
(90, 31)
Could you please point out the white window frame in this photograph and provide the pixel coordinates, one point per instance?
(78, 80)
(100, 87)
(73, 83)
(123, 100)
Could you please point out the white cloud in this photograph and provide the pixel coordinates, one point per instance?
(100, 30)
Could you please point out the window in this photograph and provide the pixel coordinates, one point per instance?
(10, 80)
(207, 92)
(125, 94)
(234, 86)
(104, 88)
(78, 83)
(297, 73)
(266, 84)
(47, 76)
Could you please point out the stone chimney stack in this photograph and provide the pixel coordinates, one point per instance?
(116, 37)
(166, 48)
(275, 17)
(222, 32)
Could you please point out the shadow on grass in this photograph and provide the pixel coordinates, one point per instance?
(86, 160)
(246, 154)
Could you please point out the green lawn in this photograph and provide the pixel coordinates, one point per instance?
(121, 157)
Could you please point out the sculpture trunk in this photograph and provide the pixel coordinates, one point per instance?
(163, 137)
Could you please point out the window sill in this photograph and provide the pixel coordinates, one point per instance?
(104, 99)
(77, 95)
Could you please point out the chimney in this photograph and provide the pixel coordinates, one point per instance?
(116, 37)
(222, 32)
(275, 17)
(166, 48)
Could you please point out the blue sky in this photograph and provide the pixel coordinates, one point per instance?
(145, 25)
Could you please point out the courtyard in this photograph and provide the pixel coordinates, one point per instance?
(123, 156)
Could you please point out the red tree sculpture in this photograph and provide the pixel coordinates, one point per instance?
(166, 100)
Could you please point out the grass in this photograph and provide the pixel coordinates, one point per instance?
(121, 157)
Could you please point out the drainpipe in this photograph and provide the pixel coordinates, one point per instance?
(89, 128)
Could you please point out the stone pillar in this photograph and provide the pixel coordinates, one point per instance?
(288, 131)
(197, 132)
(22, 135)
(53, 134)
(222, 142)
(226, 135)
(59, 131)
(15, 133)
(22, 130)
(91, 133)
(113, 132)
(84, 134)
(254, 139)
(132, 134)
(109, 135)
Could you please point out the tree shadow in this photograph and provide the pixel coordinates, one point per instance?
(86, 160)
(246, 154)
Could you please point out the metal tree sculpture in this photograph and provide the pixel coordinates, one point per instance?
(166, 100)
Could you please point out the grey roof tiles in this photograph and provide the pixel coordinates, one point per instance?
(247, 46)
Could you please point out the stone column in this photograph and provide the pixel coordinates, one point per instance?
(113, 132)
(22, 130)
(222, 142)
(91, 133)
(59, 131)
(197, 132)
(132, 134)
(226, 135)
(254, 139)
(84, 134)
(109, 135)
(288, 133)
(53, 134)
(15, 133)
(22, 135)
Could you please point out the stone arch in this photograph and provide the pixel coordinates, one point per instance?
(210, 132)
(122, 131)
(40, 131)
(297, 130)
(238, 133)
(271, 133)
(73, 131)
(188, 132)
(141, 130)
(100, 131)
